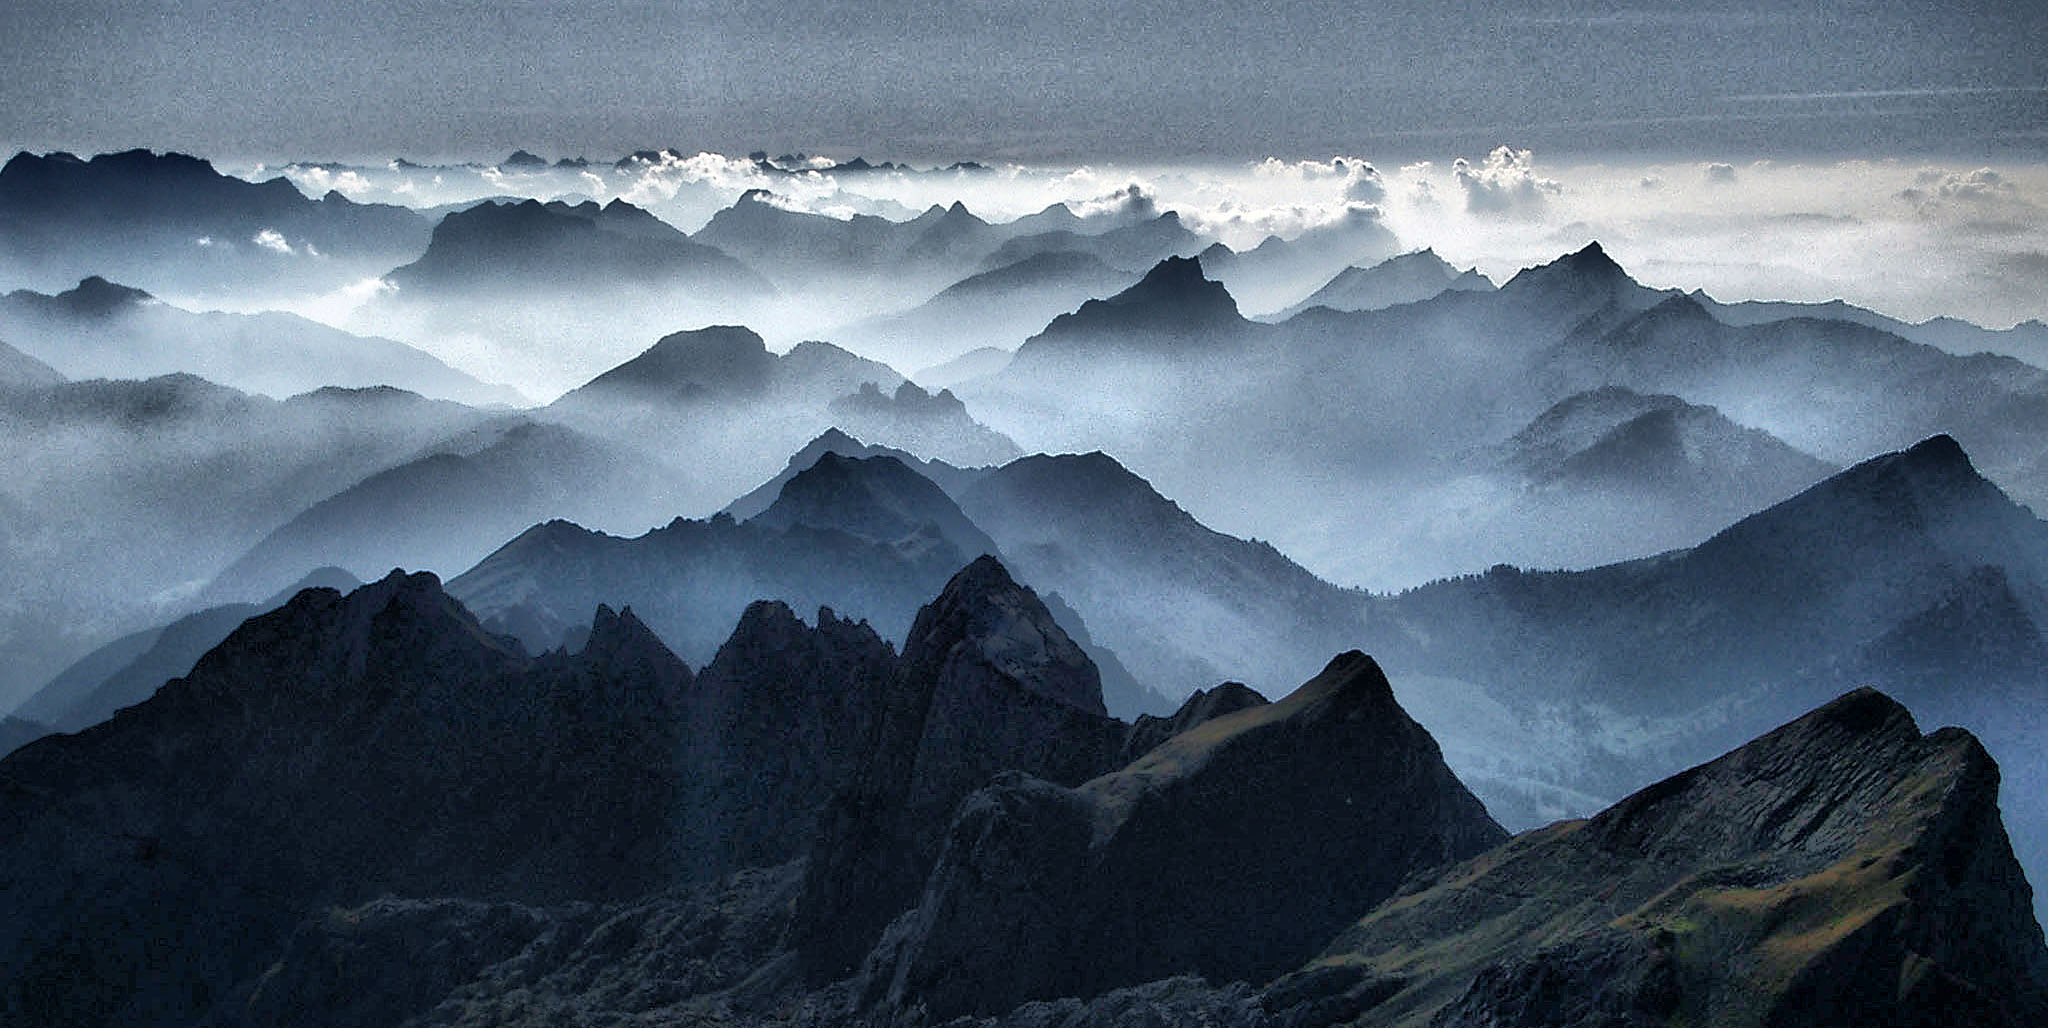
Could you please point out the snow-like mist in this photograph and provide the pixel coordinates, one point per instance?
(1910, 239)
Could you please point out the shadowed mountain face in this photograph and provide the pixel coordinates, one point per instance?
(551, 289)
(98, 329)
(130, 669)
(1316, 804)
(1863, 579)
(171, 223)
(1844, 869)
(125, 497)
(1174, 305)
(868, 538)
(448, 762)
(477, 834)
(1367, 442)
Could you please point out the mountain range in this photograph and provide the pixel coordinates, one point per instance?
(100, 329)
(171, 224)
(813, 829)
(968, 723)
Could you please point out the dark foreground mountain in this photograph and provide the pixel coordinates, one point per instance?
(367, 810)
(342, 747)
(1098, 887)
(1844, 869)
(130, 669)
(123, 497)
(1909, 572)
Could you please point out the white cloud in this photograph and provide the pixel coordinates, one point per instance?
(1506, 184)
(272, 240)
(1933, 186)
(1719, 173)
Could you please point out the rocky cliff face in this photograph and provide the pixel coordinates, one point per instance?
(988, 682)
(336, 748)
(1228, 851)
(1844, 869)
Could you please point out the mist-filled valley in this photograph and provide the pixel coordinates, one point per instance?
(694, 587)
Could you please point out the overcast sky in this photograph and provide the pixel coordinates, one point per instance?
(1055, 79)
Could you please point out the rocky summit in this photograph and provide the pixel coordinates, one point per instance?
(369, 810)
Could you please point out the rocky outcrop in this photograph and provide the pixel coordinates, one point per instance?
(1201, 706)
(1844, 869)
(987, 683)
(332, 750)
(1231, 851)
(776, 725)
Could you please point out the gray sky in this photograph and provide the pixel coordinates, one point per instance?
(1061, 79)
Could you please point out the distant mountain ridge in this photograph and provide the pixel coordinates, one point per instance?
(605, 834)
(101, 329)
(171, 222)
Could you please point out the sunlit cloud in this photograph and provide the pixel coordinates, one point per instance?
(1505, 183)
(272, 240)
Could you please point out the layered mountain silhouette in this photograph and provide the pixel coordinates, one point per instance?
(720, 391)
(868, 538)
(476, 832)
(1174, 305)
(1131, 247)
(1862, 579)
(494, 247)
(1178, 605)
(1279, 272)
(450, 507)
(2027, 341)
(1329, 402)
(125, 497)
(18, 370)
(1407, 278)
(100, 329)
(999, 308)
(171, 222)
(131, 669)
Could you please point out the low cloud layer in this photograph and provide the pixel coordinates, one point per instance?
(1908, 239)
(1505, 183)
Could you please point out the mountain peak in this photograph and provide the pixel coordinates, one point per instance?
(714, 359)
(95, 297)
(1174, 298)
(621, 640)
(1588, 266)
(984, 615)
(881, 500)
